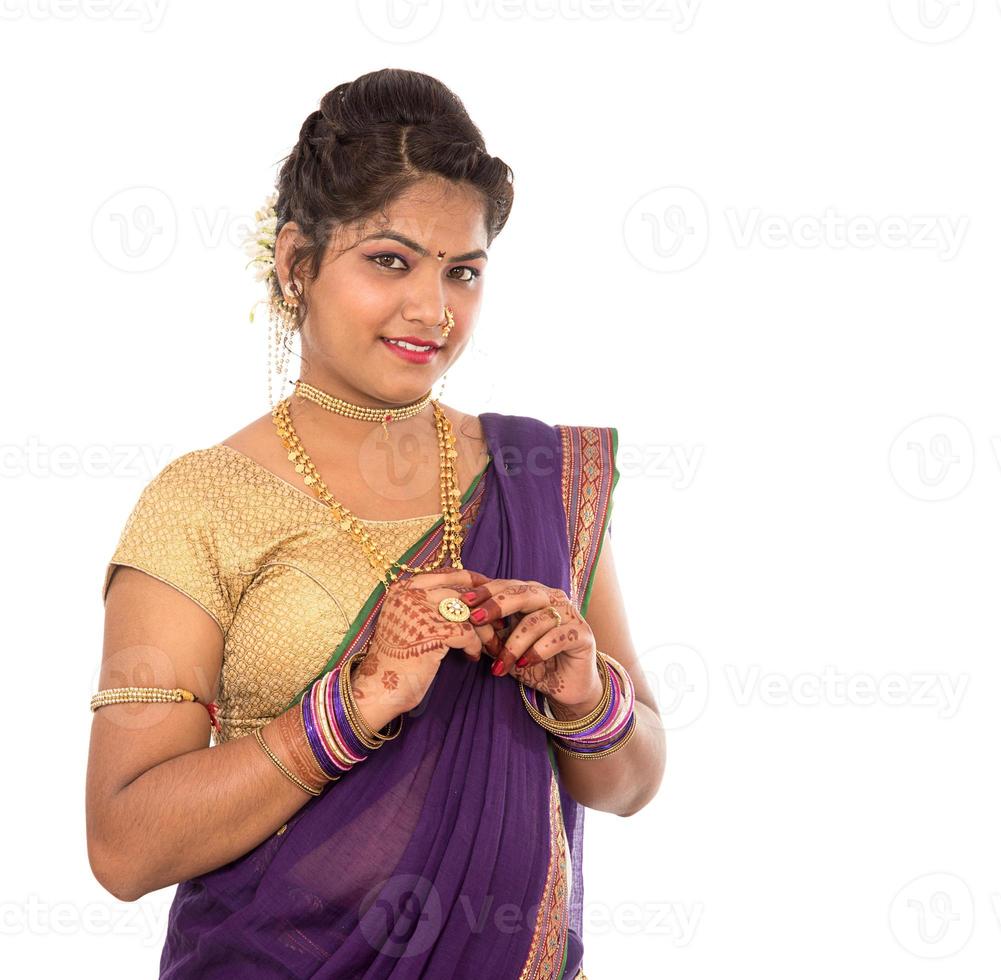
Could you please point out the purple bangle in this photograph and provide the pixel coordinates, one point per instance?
(575, 747)
(338, 720)
(603, 734)
(323, 759)
(353, 745)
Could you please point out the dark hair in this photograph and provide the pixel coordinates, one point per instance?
(371, 140)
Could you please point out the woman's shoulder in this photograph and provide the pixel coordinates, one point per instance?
(192, 469)
(195, 487)
(534, 431)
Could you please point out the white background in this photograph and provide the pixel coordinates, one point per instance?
(760, 239)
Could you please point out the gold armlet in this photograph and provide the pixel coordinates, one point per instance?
(125, 695)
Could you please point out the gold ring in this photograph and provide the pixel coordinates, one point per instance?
(454, 609)
(555, 612)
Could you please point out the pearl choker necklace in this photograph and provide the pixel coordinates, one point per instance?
(362, 412)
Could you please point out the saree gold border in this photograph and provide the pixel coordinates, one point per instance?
(547, 953)
(589, 454)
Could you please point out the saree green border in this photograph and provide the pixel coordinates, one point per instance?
(377, 592)
(586, 601)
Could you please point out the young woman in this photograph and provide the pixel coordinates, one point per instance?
(381, 600)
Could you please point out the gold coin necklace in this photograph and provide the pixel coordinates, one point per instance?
(346, 521)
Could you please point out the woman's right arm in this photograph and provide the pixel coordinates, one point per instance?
(162, 806)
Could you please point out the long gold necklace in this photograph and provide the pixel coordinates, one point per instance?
(450, 494)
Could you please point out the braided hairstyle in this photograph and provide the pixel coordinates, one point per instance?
(371, 140)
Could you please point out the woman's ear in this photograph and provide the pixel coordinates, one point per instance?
(288, 238)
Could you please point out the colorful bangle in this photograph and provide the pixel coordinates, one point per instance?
(556, 727)
(613, 729)
(335, 730)
(596, 753)
(614, 724)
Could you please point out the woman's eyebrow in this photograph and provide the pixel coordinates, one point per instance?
(477, 253)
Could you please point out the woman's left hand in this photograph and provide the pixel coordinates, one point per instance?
(559, 661)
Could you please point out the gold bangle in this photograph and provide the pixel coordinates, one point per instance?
(603, 752)
(368, 738)
(556, 727)
(278, 762)
(354, 707)
(127, 695)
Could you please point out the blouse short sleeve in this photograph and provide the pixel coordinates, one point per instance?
(171, 534)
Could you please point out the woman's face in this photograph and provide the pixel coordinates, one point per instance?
(392, 284)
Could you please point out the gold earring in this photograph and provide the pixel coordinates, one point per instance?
(449, 321)
(284, 316)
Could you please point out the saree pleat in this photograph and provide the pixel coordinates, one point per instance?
(452, 851)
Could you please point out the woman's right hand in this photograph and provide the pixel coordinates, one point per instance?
(410, 639)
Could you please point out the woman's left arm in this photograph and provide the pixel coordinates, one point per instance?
(625, 781)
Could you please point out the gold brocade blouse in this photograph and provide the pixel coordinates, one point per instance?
(265, 560)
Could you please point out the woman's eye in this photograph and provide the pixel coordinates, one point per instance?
(385, 260)
(391, 257)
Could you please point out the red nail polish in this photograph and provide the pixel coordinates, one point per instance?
(468, 596)
(497, 668)
(522, 661)
(478, 615)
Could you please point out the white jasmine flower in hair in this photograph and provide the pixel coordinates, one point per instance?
(259, 243)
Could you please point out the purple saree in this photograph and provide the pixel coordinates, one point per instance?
(445, 853)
